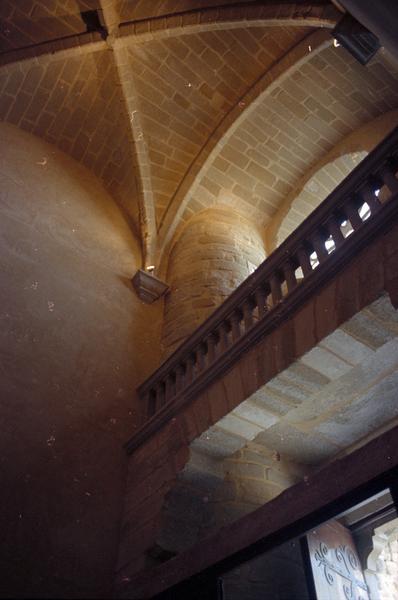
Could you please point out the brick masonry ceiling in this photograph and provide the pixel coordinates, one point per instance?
(186, 106)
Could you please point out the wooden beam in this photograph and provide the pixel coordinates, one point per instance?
(336, 487)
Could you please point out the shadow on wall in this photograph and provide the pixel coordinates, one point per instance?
(75, 343)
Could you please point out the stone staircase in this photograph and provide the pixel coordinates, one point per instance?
(332, 398)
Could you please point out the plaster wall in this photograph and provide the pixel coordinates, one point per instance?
(75, 341)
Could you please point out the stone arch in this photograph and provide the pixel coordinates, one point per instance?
(316, 189)
(227, 17)
(322, 178)
(226, 128)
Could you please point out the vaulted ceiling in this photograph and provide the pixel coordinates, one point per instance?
(181, 105)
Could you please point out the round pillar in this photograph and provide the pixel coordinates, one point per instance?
(215, 252)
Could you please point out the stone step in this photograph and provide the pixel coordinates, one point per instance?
(314, 379)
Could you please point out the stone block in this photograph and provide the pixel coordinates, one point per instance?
(290, 392)
(383, 311)
(351, 385)
(217, 443)
(304, 376)
(280, 478)
(257, 492)
(240, 427)
(272, 402)
(292, 444)
(346, 347)
(205, 463)
(258, 458)
(364, 415)
(255, 413)
(326, 363)
(244, 470)
(368, 330)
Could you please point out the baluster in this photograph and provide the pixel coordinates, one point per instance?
(179, 378)
(334, 229)
(352, 213)
(160, 394)
(319, 247)
(367, 194)
(235, 319)
(247, 309)
(170, 387)
(276, 291)
(211, 348)
(200, 358)
(261, 296)
(304, 261)
(388, 177)
(290, 276)
(189, 373)
(223, 336)
(151, 403)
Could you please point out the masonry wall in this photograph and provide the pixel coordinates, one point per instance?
(153, 468)
(211, 493)
(216, 251)
(75, 342)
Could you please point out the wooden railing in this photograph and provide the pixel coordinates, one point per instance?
(334, 232)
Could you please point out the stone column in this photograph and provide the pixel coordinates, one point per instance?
(215, 252)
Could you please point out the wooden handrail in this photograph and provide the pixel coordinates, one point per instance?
(342, 224)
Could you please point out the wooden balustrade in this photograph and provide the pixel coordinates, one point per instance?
(332, 229)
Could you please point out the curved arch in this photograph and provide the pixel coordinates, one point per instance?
(363, 139)
(228, 17)
(226, 128)
(316, 189)
(140, 161)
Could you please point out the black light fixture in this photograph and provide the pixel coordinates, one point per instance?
(354, 37)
